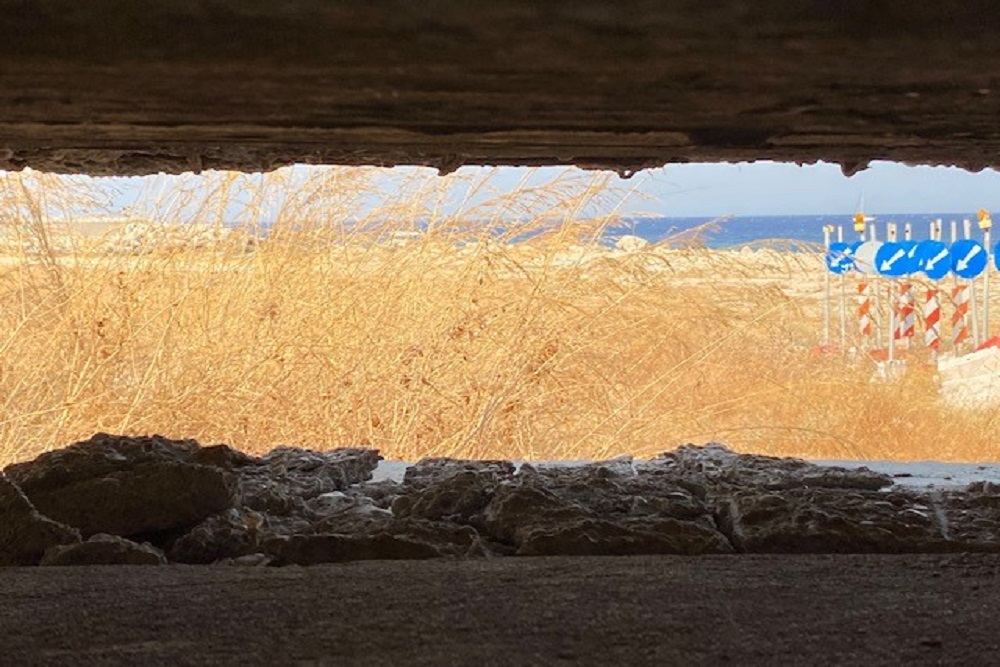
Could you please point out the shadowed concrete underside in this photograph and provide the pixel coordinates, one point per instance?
(118, 87)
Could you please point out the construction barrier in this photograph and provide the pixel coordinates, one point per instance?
(960, 314)
(865, 309)
(932, 320)
(906, 318)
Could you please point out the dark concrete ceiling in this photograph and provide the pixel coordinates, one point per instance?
(118, 86)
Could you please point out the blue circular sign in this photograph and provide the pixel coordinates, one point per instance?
(968, 258)
(891, 260)
(996, 256)
(934, 259)
(839, 258)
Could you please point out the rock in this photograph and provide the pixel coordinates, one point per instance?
(821, 520)
(102, 549)
(715, 466)
(603, 508)
(223, 456)
(971, 518)
(281, 482)
(383, 493)
(432, 470)
(25, 535)
(241, 531)
(142, 236)
(459, 498)
(338, 512)
(125, 485)
(631, 243)
(394, 540)
(232, 534)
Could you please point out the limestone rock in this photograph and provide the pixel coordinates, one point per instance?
(234, 533)
(819, 520)
(714, 466)
(971, 517)
(432, 470)
(382, 493)
(25, 535)
(603, 508)
(460, 498)
(125, 486)
(102, 549)
(631, 243)
(281, 482)
(241, 531)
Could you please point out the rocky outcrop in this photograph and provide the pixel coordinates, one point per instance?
(104, 549)
(25, 535)
(125, 486)
(201, 505)
(716, 467)
(600, 509)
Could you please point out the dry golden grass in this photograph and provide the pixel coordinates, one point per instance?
(450, 342)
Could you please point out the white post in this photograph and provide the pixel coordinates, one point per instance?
(827, 229)
(986, 281)
(876, 289)
(843, 301)
(890, 235)
(973, 302)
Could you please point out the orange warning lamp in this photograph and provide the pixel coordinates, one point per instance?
(985, 222)
(859, 222)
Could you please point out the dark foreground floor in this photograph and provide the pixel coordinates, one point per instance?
(778, 610)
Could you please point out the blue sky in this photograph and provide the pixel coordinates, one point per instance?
(769, 188)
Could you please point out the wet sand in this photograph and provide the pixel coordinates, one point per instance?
(741, 610)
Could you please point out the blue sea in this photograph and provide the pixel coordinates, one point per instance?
(792, 232)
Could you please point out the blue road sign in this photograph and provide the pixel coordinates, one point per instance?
(839, 258)
(891, 260)
(912, 262)
(934, 259)
(968, 258)
(996, 256)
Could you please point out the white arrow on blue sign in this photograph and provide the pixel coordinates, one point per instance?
(968, 258)
(839, 258)
(891, 260)
(912, 262)
(934, 259)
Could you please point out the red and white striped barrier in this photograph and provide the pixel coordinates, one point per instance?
(907, 321)
(865, 309)
(960, 317)
(932, 320)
